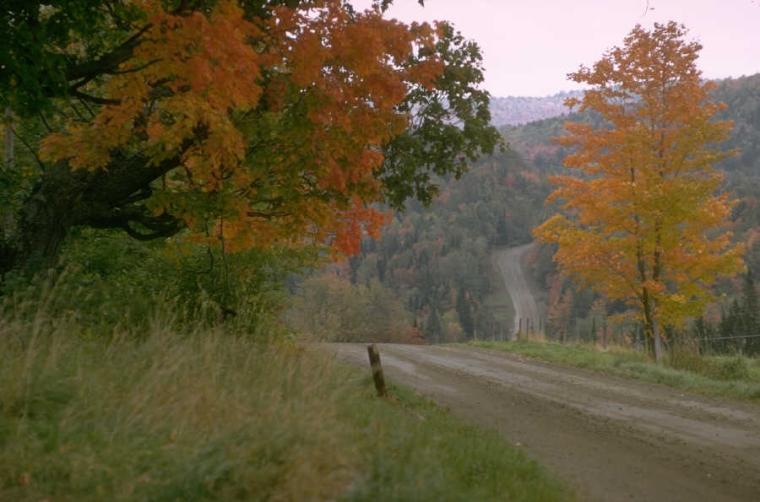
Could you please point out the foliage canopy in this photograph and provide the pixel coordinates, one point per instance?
(251, 123)
(642, 221)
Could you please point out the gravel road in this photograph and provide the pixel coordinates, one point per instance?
(509, 263)
(610, 438)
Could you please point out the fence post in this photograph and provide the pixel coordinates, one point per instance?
(377, 370)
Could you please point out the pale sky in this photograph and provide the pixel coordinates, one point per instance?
(529, 46)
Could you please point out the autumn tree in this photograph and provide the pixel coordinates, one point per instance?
(642, 221)
(245, 122)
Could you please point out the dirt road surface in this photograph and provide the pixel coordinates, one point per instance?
(609, 438)
(509, 263)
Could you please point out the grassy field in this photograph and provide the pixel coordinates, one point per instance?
(733, 376)
(209, 415)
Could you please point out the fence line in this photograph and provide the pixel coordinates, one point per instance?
(710, 338)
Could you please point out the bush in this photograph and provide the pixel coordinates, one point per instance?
(106, 281)
(330, 308)
(734, 368)
(687, 357)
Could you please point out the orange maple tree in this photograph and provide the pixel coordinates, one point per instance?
(251, 123)
(642, 221)
(191, 92)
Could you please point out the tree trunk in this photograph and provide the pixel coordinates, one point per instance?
(9, 140)
(7, 222)
(63, 198)
(652, 328)
(657, 342)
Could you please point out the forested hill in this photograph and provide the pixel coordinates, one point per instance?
(437, 259)
(741, 95)
(515, 110)
(532, 142)
(743, 170)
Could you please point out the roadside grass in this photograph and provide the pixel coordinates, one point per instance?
(208, 415)
(731, 376)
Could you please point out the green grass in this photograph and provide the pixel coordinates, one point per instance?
(212, 416)
(734, 376)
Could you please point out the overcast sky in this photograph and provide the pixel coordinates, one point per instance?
(529, 46)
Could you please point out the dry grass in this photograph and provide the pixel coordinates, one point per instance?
(168, 417)
(206, 415)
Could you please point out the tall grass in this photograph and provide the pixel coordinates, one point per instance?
(162, 413)
(167, 417)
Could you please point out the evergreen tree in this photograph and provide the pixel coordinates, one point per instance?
(464, 311)
(434, 326)
(502, 232)
(730, 327)
(750, 316)
(704, 332)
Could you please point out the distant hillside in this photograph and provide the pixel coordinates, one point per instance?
(516, 110)
(533, 143)
(437, 259)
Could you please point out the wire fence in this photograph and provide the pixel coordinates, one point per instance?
(711, 338)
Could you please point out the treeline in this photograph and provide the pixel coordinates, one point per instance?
(514, 110)
(737, 329)
(742, 95)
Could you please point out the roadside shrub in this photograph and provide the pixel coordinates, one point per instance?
(734, 368)
(330, 308)
(689, 360)
(685, 355)
(106, 281)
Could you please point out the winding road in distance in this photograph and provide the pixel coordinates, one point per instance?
(509, 263)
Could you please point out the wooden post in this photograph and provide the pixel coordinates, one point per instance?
(377, 370)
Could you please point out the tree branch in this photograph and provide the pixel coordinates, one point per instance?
(86, 72)
(94, 99)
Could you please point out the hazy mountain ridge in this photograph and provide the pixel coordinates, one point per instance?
(517, 110)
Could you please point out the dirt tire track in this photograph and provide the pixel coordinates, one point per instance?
(509, 262)
(610, 438)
